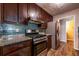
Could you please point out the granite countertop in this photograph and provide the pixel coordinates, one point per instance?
(50, 34)
(10, 39)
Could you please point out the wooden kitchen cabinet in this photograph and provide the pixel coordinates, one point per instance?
(37, 13)
(45, 16)
(10, 12)
(49, 43)
(22, 52)
(32, 11)
(1, 10)
(25, 51)
(44, 25)
(0, 13)
(14, 12)
(21, 48)
(23, 13)
(48, 17)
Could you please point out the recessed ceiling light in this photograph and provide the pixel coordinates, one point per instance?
(59, 4)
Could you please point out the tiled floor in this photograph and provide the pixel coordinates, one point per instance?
(65, 49)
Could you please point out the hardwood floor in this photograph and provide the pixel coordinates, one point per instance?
(65, 49)
(43, 53)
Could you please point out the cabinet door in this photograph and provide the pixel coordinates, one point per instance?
(22, 52)
(10, 12)
(0, 13)
(32, 11)
(25, 51)
(45, 16)
(23, 13)
(14, 54)
(49, 42)
(44, 26)
(38, 12)
(50, 18)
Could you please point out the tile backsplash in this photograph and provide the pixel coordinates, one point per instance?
(12, 29)
(1, 32)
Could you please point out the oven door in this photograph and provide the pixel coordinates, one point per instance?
(39, 47)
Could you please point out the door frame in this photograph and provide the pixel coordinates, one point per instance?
(74, 25)
(56, 37)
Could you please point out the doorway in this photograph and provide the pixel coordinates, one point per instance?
(67, 29)
(70, 29)
(70, 35)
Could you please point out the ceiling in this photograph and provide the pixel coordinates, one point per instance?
(58, 8)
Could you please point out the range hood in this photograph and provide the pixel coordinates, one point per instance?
(36, 21)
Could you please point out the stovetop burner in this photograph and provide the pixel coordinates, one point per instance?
(33, 36)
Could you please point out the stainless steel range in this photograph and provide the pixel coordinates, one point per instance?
(39, 42)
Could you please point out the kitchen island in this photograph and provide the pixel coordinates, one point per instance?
(15, 45)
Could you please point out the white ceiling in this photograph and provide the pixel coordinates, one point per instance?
(54, 9)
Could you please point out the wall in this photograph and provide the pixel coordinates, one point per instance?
(76, 25)
(62, 33)
(70, 29)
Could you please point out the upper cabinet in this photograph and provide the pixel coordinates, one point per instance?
(37, 13)
(32, 11)
(23, 13)
(10, 12)
(44, 26)
(45, 16)
(0, 13)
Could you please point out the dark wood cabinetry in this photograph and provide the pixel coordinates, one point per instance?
(23, 13)
(44, 26)
(32, 11)
(10, 12)
(22, 52)
(19, 13)
(21, 48)
(49, 42)
(37, 13)
(0, 13)
(45, 16)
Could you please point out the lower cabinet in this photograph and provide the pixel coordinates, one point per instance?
(25, 51)
(49, 43)
(17, 49)
(22, 52)
(14, 54)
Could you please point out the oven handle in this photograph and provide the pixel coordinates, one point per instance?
(40, 42)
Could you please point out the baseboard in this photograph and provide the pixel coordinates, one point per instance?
(76, 49)
(62, 41)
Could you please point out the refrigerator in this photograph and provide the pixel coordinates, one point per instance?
(53, 30)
